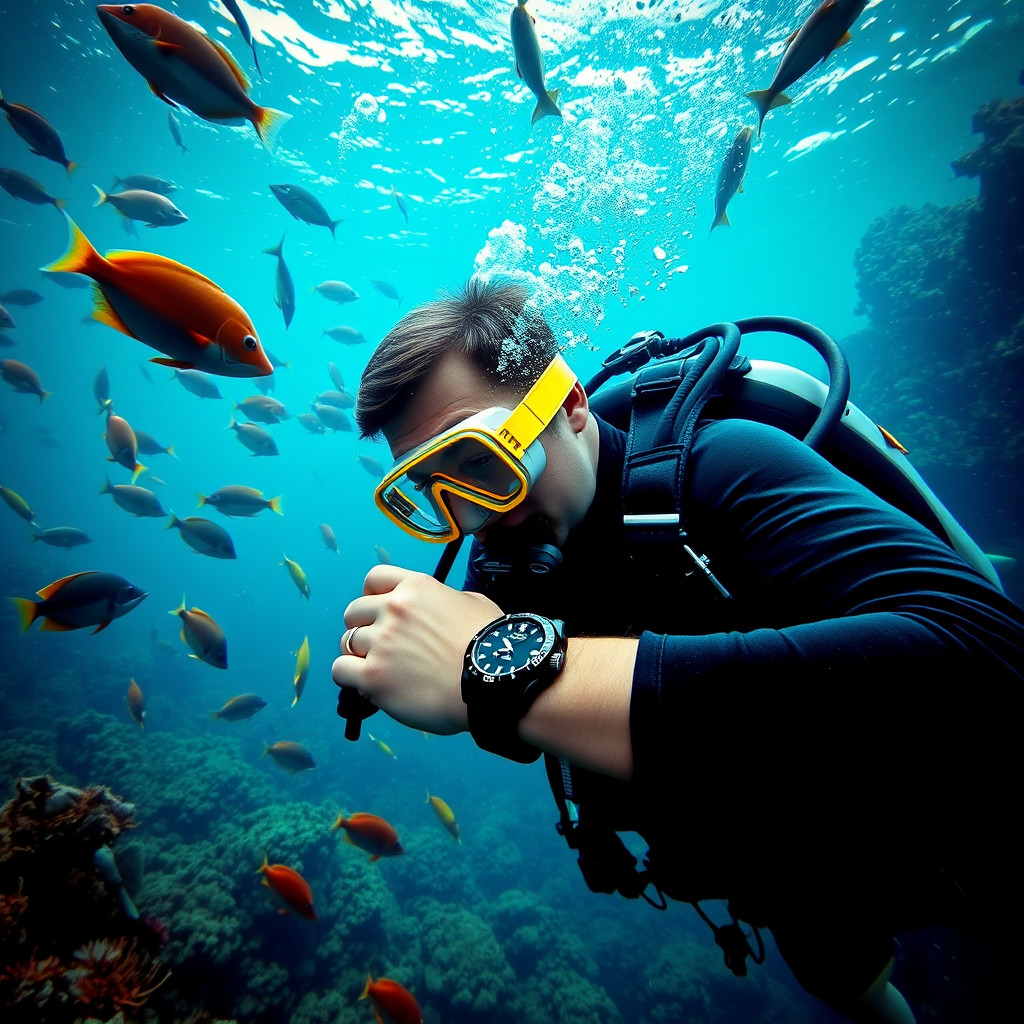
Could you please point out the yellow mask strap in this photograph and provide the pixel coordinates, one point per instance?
(538, 407)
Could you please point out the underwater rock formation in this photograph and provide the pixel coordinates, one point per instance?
(69, 944)
(943, 288)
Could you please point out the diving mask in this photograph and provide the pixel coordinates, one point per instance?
(477, 469)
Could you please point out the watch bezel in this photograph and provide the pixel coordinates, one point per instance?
(550, 637)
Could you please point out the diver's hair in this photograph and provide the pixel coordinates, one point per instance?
(492, 322)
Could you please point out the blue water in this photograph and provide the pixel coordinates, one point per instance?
(605, 214)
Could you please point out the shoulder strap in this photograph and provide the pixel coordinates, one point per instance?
(667, 400)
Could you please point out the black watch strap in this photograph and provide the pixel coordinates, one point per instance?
(493, 713)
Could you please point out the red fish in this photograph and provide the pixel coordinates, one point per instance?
(392, 1003)
(370, 833)
(291, 887)
(169, 307)
(183, 66)
(136, 703)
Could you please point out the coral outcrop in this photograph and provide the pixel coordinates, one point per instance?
(943, 287)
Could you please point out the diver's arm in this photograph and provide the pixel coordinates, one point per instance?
(583, 717)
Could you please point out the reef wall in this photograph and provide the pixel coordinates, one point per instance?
(943, 287)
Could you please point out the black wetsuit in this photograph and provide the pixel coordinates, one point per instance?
(832, 750)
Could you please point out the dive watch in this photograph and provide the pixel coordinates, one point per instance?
(507, 664)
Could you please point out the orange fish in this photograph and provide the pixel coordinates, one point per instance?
(136, 703)
(169, 307)
(392, 1003)
(291, 887)
(370, 833)
(183, 66)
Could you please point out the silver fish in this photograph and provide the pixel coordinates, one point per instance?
(304, 206)
(285, 288)
(731, 174)
(825, 30)
(530, 64)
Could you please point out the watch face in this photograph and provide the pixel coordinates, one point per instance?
(512, 646)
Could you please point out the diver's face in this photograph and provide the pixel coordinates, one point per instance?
(456, 390)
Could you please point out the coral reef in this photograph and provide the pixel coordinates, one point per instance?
(944, 290)
(68, 947)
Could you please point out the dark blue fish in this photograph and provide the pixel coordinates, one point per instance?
(730, 177)
(41, 136)
(172, 123)
(243, 27)
(304, 206)
(285, 293)
(400, 203)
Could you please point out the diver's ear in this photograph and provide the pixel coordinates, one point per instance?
(577, 408)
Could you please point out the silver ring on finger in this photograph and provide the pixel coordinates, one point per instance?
(347, 639)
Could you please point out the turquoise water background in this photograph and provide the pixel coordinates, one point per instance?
(605, 214)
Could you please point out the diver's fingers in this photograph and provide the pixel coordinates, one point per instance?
(364, 610)
(382, 579)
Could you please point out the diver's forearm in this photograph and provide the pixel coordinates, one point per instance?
(583, 716)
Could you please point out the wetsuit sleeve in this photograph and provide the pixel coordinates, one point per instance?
(853, 619)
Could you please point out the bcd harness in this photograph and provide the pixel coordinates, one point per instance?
(672, 382)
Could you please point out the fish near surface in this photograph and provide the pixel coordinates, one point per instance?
(346, 335)
(146, 182)
(198, 383)
(371, 833)
(152, 208)
(304, 206)
(400, 203)
(184, 67)
(337, 291)
(84, 599)
(530, 64)
(731, 174)
(203, 635)
(41, 136)
(169, 307)
(827, 28)
(172, 124)
(388, 290)
(284, 286)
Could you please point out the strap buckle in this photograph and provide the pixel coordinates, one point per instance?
(641, 348)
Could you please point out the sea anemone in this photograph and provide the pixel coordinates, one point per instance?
(112, 975)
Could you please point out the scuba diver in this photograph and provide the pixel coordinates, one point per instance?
(727, 612)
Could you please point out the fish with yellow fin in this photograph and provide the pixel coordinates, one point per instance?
(168, 306)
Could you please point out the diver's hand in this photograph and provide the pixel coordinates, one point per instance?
(408, 634)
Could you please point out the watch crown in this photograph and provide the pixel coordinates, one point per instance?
(556, 662)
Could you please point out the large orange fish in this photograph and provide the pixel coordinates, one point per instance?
(183, 66)
(392, 1002)
(169, 307)
(370, 833)
(291, 887)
